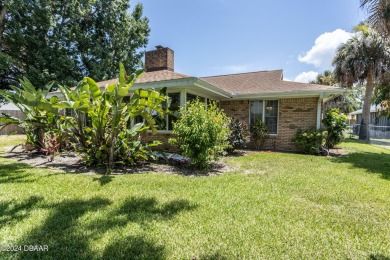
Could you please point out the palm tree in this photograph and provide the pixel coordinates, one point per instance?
(378, 14)
(362, 59)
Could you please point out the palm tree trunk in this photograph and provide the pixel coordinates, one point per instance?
(364, 133)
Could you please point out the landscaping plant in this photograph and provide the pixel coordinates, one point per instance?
(335, 124)
(239, 135)
(310, 141)
(111, 138)
(43, 121)
(259, 133)
(202, 132)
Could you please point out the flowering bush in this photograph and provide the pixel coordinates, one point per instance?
(309, 141)
(335, 123)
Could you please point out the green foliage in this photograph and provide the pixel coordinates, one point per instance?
(110, 138)
(335, 124)
(43, 121)
(259, 133)
(67, 40)
(202, 132)
(239, 134)
(363, 59)
(347, 102)
(102, 121)
(310, 141)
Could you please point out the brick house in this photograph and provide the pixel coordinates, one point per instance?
(284, 105)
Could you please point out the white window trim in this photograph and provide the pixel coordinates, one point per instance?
(263, 116)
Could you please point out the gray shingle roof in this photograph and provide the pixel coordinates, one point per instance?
(153, 76)
(260, 82)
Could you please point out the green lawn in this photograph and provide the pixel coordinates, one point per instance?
(275, 206)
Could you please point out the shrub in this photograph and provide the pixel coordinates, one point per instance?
(111, 138)
(43, 122)
(259, 133)
(202, 132)
(335, 124)
(239, 134)
(309, 141)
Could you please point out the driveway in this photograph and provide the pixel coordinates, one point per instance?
(381, 142)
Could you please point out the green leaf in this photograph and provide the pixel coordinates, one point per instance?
(122, 74)
(94, 88)
(123, 92)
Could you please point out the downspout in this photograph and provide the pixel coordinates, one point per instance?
(319, 106)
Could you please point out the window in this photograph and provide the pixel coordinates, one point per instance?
(267, 111)
(191, 97)
(174, 108)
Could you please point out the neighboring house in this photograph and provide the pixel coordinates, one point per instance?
(379, 124)
(12, 110)
(283, 105)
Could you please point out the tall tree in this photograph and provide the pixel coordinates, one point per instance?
(378, 14)
(348, 102)
(362, 59)
(66, 40)
(379, 18)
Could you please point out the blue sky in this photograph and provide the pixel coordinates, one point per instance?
(214, 37)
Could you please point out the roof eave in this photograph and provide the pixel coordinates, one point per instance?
(291, 94)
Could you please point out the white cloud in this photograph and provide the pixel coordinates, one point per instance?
(306, 77)
(324, 49)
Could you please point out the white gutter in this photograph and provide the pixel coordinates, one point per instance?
(319, 106)
(292, 94)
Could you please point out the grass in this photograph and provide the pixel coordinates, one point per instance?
(274, 206)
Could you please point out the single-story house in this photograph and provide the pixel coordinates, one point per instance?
(285, 106)
(379, 124)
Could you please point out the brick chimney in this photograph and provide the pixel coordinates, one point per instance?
(162, 58)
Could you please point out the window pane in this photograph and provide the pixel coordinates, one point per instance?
(191, 97)
(271, 116)
(256, 111)
(174, 108)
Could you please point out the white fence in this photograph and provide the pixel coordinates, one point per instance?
(378, 132)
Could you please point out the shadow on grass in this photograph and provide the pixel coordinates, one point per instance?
(14, 173)
(11, 212)
(104, 179)
(379, 257)
(372, 162)
(67, 238)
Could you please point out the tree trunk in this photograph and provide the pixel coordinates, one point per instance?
(364, 133)
(3, 12)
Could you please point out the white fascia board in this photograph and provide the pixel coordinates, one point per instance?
(295, 94)
(163, 84)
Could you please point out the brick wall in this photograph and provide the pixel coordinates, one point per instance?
(237, 108)
(294, 113)
(160, 59)
(165, 146)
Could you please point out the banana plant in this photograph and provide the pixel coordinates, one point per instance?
(111, 138)
(41, 114)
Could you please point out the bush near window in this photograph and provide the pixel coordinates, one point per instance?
(239, 135)
(309, 141)
(259, 133)
(202, 132)
(335, 124)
